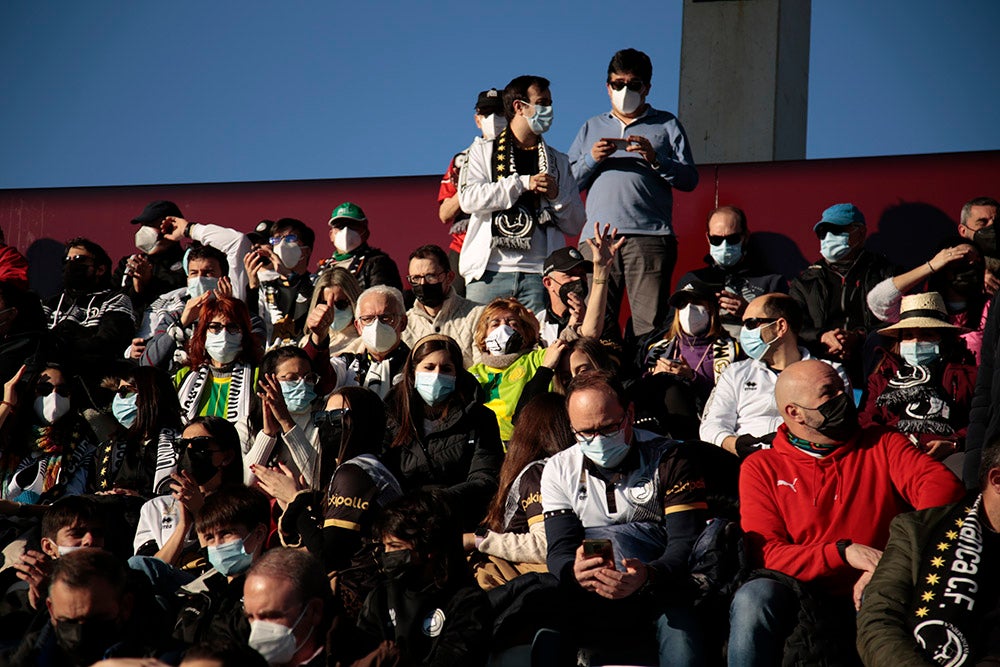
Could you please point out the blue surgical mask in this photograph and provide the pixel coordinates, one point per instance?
(542, 120)
(125, 409)
(835, 247)
(606, 451)
(919, 352)
(341, 318)
(230, 558)
(298, 395)
(752, 342)
(223, 347)
(433, 387)
(726, 254)
(198, 285)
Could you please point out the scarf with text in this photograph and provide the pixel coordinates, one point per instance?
(514, 227)
(916, 397)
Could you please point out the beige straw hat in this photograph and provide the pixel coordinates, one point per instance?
(922, 311)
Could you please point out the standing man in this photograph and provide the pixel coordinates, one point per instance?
(157, 267)
(522, 199)
(977, 224)
(490, 119)
(629, 160)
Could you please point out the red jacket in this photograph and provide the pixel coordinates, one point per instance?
(795, 507)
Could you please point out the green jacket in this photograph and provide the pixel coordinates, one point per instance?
(883, 638)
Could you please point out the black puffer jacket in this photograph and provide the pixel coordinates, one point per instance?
(461, 457)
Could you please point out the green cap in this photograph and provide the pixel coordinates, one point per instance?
(348, 210)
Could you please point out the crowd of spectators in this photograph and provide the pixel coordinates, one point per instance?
(225, 450)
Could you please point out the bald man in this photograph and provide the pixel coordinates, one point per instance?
(816, 510)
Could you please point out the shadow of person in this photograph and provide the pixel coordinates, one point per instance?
(772, 252)
(909, 233)
(45, 267)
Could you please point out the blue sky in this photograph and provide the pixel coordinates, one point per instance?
(181, 92)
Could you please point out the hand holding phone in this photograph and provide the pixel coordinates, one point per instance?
(619, 144)
(602, 548)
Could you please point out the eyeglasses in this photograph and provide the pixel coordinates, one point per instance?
(429, 278)
(728, 238)
(334, 417)
(310, 378)
(86, 260)
(386, 318)
(44, 388)
(287, 238)
(752, 323)
(218, 327)
(635, 85)
(126, 391)
(201, 444)
(586, 437)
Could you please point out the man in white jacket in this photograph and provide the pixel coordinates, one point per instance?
(741, 415)
(522, 198)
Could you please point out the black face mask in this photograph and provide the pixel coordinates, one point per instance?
(840, 418)
(986, 240)
(429, 294)
(77, 276)
(198, 465)
(331, 435)
(578, 287)
(88, 640)
(397, 565)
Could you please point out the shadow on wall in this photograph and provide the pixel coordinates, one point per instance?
(910, 233)
(45, 265)
(777, 253)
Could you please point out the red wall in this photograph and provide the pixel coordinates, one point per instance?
(910, 202)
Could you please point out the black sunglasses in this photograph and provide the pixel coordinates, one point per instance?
(45, 388)
(823, 230)
(334, 417)
(728, 238)
(201, 444)
(752, 323)
(126, 391)
(217, 327)
(634, 85)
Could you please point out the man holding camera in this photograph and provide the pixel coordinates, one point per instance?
(629, 160)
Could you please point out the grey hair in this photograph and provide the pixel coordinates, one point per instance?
(391, 293)
(978, 201)
(298, 566)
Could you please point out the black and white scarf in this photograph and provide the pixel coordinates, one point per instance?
(917, 398)
(514, 227)
(943, 614)
(240, 392)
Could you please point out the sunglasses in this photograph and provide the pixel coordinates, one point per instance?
(126, 391)
(635, 85)
(218, 327)
(287, 238)
(752, 323)
(334, 417)
(823, 230)
(201, 444)
(343, 304)
(728, 238)
(46, 388)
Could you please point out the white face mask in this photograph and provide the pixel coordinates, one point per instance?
(493, 125)
(341, 318)
(146, 238)
(66, 550)
(289, 253)
(346, 240)
(274, 641)
(694, 319)
(223, 347)
(379, 336)
(626, 101)
(198, 285)
(496, 340)
(52, 407)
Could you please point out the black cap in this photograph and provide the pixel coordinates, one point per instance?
(489, 101)
(156, 211)
(565, 260)
(694, 290)
(261, 234)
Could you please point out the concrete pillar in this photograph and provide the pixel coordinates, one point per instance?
(744, 84)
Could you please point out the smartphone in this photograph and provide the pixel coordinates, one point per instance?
(602, 548)
(620, 144)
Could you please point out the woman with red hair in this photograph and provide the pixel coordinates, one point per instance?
(223, 355)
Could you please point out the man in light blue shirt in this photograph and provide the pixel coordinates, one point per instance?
(629, 160)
